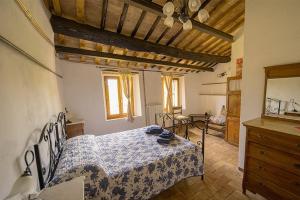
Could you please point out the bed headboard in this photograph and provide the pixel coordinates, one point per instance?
(48, 149)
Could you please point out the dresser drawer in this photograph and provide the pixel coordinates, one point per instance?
(282, 178)
(268, 189)
(282, 160)
(284, 142)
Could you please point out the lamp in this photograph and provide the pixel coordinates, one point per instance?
(203, 15)
(168, 9)
(194, 5)
(169, 21)
(187, 25)
(25, 184)
(183, 16)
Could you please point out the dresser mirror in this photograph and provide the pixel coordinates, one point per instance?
(282, 92)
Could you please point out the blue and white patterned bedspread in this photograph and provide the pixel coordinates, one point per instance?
(127, 165)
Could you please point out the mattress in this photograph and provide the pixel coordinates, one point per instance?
(127, 165)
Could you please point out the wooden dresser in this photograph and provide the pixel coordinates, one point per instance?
(75, 128)
(272, 159)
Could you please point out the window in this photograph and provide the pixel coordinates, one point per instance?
(175, 93)
(116, 102)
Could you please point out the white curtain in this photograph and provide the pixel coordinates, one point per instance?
(167, 81)
(127, 85)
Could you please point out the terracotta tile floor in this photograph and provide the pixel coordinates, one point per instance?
(222, 178)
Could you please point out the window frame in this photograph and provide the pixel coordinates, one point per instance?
(178, 92)
(178, 95)
(122, 113)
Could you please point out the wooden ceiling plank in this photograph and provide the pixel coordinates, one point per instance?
(215, 47)
(152, 27)
(162, 35)
(80, 10)
(86, 32)
(56, 7)
(216, 20)
(111, 56)
(157, 9)
(122, 17)
(136, 28)
(212, 65)
(103, 16)
(173, 38)
(212, 40)
(189, 37)
(198, 48)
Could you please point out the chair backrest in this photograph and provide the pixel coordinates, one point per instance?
(177, 110)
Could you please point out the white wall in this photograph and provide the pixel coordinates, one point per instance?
(272, 37)
(29, 94)
(213, 104)
(83, 92)
(237, 51)
(209, 103)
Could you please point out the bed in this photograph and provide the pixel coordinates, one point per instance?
(124, 165)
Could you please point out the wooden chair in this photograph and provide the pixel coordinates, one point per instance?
(178, 117)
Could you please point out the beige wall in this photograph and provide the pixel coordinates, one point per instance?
(272, 37)
(29, 95)
(213, 104)
(83, 92)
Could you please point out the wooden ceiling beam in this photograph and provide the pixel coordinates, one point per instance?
(56, 7)
(122, 17)
(215, 21)
(103, 16)
(157, 9)
(152, 28)
(162, 35)
(210, 40)
(80, 8)
(136, 28)
(111, 56)
(86, 32)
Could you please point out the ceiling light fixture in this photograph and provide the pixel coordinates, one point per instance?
(183, 16)
(169, 21)
(168, 9)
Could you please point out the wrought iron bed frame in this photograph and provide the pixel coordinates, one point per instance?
(53, 136)
(187, 122)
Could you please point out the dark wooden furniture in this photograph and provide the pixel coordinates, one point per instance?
(74, 129)
(272, 159)
(233, 110)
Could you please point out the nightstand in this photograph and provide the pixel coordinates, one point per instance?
(75, 128)
(69, 190)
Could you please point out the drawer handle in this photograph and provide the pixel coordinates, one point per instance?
(297, 166)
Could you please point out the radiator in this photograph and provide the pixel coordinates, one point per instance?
(151, 109)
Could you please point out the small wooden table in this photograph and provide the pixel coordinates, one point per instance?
(75, 128)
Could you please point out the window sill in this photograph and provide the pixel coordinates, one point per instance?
(121, 118)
